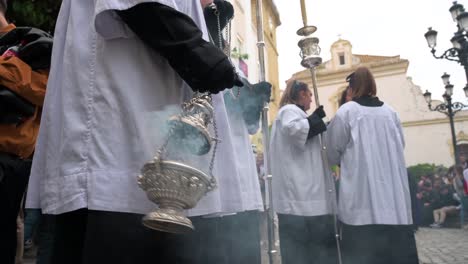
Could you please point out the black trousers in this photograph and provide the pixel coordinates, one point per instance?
(307, 239)
(379, 244)
(97, 237)
(232, 239)
(14, 176)
(92, 237)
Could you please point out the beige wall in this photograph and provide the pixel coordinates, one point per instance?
(244, 27)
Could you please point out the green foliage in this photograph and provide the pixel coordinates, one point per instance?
(237, 54)
(419, 170)
(335, 168)
(34, 13)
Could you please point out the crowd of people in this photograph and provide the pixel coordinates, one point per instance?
(439, 195)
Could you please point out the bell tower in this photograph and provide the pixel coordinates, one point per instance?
(341, 54)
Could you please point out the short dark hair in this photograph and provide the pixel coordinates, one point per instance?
(3, 6)
(291, 94)
(362, 83)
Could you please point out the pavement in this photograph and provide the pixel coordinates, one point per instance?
(435, 246)
(443, 245)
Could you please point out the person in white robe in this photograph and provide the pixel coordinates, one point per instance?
(226, 220)
(112, 62)
(366, 140)
(244, 106)
(299, 180)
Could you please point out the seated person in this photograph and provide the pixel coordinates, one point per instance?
(441, 214)
(449, 199)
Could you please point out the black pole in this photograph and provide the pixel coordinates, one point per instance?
(452, 127)
(463, 57)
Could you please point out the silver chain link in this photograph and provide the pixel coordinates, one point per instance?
(227, 52)
(218, 20)
(227, 33)
(227, 48)
(215, 147)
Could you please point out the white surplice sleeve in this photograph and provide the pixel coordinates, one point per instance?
(295, 126)
(338, 136)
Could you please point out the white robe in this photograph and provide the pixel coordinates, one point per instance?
(95, 133)
(299, 183)
(244, 161)
(368, 144)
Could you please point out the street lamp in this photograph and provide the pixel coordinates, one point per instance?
(459, 51)
(448, 108)
(445, 78)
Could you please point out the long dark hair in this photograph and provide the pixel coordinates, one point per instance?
(344, 94)
(291, 94)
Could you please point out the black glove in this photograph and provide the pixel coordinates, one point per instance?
(206, 69)
(316, 124)
(320, 112)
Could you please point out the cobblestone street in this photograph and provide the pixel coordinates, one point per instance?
(442, 246)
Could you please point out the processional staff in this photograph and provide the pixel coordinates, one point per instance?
(266, 136)
(310, 55)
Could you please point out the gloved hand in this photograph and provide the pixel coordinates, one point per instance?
(206, 68)
(224, 76)
(320, 112)
(316, 124)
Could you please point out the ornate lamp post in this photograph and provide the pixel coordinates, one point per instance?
(459, 51)
(448, 108)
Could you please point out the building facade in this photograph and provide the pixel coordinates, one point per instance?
(244, 44)
(427, 133)
(245, 51)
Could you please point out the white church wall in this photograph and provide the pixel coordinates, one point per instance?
(431, 143)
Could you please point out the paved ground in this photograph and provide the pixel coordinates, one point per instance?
(435, 246)
(442, 246)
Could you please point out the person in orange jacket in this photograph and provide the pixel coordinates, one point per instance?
(23, 85)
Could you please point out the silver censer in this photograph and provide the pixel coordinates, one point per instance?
(175, 186)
